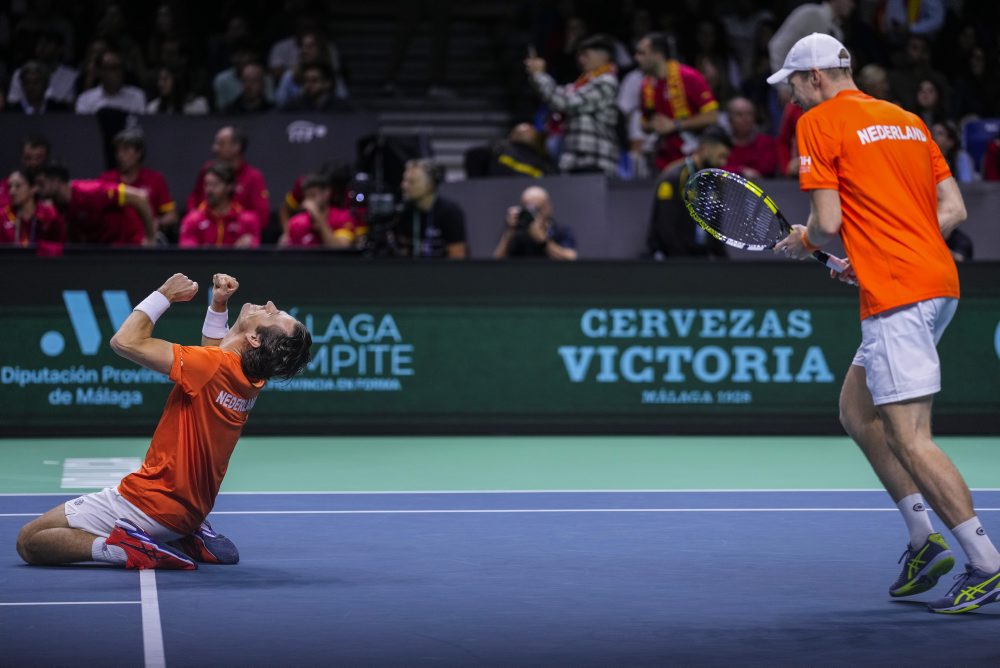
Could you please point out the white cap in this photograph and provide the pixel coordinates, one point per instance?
(815, 51)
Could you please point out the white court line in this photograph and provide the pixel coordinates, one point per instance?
(152, 633)
(75, 603)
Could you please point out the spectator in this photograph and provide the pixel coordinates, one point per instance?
(90, 73)
(408, 19)
(961, 164)
(916, 66)
(35, 151)
(253, 94)
(310, 52)
(322, 221)
(85, 205)
(229, 85)
(904, 17)
(530, 230)
(977, 89)
(34, 84)
(672, 114)
(710, 53)
(754, 155)
(317, 92)
(222, 47)
(561, 49)
(286, 54)
(112, 91)
(788, 148)
(113, 27)
(249, 191)
(428, 225)
(340, 178)
(931, 106)
(743, 23)
(991, 160)
(672, 231)
(49, 51)
(824, 17)
(588, 106)
(219, 220)
(130, 155)
(520, 154)
(174, 96)
(874, 80)
(960, 244)
(26, 222)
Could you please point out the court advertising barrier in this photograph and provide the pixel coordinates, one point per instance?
(481, 347)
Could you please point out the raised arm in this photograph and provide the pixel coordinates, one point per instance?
(134, 339)
(217, 319)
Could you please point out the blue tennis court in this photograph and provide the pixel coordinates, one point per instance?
(503, 578)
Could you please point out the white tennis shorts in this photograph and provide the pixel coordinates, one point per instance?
(899, 350)
(96, 513)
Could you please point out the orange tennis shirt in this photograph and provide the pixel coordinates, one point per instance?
(189, 454)
(886, 167)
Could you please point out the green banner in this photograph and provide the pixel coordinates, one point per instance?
(485, 346)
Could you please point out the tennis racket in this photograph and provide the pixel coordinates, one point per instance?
(739, 214)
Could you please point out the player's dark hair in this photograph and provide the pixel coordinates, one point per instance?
(54, 169)
(279, 355)
(659, 43)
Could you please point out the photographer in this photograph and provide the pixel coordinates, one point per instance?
(531, 232)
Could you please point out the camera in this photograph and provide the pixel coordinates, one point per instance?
(525, 216)
(379, 212)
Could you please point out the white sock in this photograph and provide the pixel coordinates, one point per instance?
(918, 521)
(977, 545)
(108, 554)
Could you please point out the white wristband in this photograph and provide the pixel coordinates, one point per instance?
(154, 305)
(216, 324)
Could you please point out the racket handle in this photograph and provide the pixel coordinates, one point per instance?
(831, 261)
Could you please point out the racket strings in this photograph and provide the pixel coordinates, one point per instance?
(736, 213)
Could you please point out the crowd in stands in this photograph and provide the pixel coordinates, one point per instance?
(630, 90)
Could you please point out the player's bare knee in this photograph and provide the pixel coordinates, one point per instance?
(23, 545)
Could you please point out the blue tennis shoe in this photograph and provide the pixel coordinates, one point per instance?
(973, 589)
(923, 567)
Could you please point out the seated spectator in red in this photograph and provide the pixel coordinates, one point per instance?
(321, 223)
(85, 206)
(788, 148)
(35, 151)
(130, 153)
(250, 191)
(317, 90)
(34, 92)
(339, 177)
(252, 98)
(111, 91)
(754, 155)
(675, 100)
(219, 220)
(991, 160)
(28, 223)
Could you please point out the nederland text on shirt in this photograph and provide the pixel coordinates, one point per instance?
(874, 133)
(239, 404)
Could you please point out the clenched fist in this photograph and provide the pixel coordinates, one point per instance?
(223, 287)
(179, 288)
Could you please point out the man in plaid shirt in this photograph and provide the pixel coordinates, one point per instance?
(587, 106)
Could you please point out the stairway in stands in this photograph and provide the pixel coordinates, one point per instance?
(476, 114)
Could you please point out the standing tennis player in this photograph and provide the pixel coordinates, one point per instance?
(875, 176)
(155, 518)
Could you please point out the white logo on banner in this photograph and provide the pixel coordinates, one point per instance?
(303, 132)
